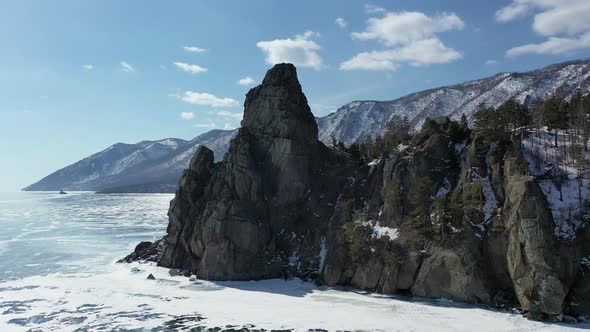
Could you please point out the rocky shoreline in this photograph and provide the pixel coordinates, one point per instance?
(449, 215)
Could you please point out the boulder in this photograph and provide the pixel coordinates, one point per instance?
(453, 275)
(144, 252)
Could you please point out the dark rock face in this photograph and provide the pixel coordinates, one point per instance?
(145, 251)
(448, 216)
(263, 210)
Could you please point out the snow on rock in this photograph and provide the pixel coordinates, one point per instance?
(294, 260)
(444, 190)
(564, 181)
(323, 253)
(373, 164)
(490, 206)
(380, 231)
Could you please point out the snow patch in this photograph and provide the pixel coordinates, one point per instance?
(490, 206)
(563, 180)
(380, 231)
(323, 253)
(444, 190)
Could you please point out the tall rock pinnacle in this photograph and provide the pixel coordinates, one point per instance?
(278, 108)
(262, 211)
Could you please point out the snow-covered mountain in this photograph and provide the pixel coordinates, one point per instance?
(155, 166)
(359, 119)
(148, 166)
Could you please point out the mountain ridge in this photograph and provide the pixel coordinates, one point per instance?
(354, 122)
(453, 100)
(86, 176)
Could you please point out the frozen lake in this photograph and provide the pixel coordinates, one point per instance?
(58, 273)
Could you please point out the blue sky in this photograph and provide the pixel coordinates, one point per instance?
(78, 76)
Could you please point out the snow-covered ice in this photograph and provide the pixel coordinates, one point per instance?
(124, 300)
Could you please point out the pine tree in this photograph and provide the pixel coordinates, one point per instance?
(397, 132)
(553, 116)
(420, 199)
(463, 122)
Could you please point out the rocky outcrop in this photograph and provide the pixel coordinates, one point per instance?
(484, 233)
(542, 268)
(450, 215)
(145, 251)
(261, 212)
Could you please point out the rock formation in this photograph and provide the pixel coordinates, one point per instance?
(261, 212)
(450, 215)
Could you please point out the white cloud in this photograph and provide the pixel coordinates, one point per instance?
(553, 16)
(300, 50)
(420, 53)
(553, 45)
(341, 22)
(126, 67)
(229, 126)
(163, 67)
(187, 115)
(412, 38)
(374, 60)
(569, 19)
(194, 49)
(88, 67)
(193, 69)
(205, 125)
(231, 115)
(406, 27)
(491, 62)
(512, 11)
(565, 23)
(426, 52)
(372, 9)
(207, 99)
(322, 109)
(246, 81)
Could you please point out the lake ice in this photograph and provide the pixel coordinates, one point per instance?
(58, 273)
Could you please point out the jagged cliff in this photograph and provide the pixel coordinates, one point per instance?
(488, 236)
(449, 215)
(263, 210)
